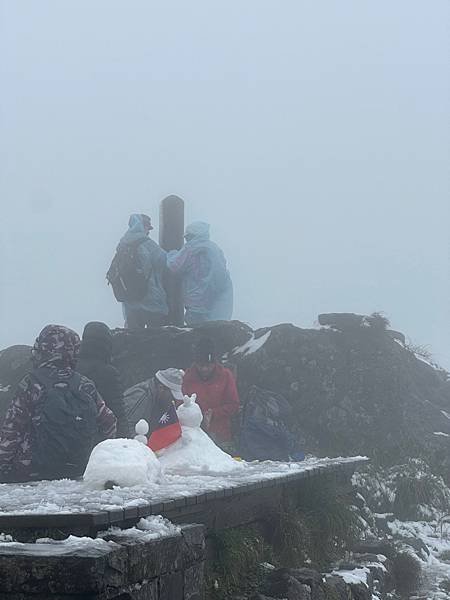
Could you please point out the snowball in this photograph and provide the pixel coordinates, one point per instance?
(123, 462)
(195, 452)
(141, 427)
(190, 413)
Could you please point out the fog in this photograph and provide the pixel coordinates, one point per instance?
(313, 136)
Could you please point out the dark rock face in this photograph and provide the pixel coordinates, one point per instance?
(354, 391)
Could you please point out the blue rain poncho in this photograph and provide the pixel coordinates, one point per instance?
(206, 282)
(153, 262)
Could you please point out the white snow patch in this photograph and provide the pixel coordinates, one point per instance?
(253, 345)
(446, 414)
(150, 528)
(435, 570)
(5, 388)
(122, 461)
(441, 433)
(72, 545)
(354, 576)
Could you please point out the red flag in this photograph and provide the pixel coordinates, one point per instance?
(167, 431)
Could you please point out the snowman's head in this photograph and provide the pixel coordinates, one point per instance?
(189, 413)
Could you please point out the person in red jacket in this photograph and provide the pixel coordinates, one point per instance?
(216, 391)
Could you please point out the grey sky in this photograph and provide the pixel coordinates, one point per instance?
(313, 136)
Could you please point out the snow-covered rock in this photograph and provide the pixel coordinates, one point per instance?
(121, 462)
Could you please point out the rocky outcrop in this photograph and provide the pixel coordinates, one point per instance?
(354, 387)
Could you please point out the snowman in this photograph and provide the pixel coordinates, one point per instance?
(195, 451)
(141, 428)
(123, 463)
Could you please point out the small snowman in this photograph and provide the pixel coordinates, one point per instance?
(195, 452)
(141, 428)
(190, 413)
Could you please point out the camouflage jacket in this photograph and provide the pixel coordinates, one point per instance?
(16, 434)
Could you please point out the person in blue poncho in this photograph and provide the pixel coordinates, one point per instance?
(152, 309)
(206, 282)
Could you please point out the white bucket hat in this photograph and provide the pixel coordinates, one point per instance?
(172, 379)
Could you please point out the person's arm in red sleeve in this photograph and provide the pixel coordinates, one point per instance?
(230, 403)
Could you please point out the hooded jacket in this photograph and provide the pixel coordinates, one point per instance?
(94, 362)
(56, 351)
(153, 263)
(206, 282)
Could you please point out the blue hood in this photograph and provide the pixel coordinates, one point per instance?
(198, 231)
(136, 230)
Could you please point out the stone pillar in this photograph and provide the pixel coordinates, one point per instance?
(171, 230)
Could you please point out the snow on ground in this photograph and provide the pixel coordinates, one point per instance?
(68, 496)
(435, 566)
(84, 546)
(151, 528)
(253, 345)
(354, 576)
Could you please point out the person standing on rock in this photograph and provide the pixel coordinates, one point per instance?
(94, 362)
(216, 391)
(206, 282)
(136, 276)
(56, 416)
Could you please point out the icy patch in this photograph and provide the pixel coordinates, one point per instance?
(441, 433)
(253, 345)
(123, 462)
(5, 388)
(446, 414)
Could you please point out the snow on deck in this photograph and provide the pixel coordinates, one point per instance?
(68, 497)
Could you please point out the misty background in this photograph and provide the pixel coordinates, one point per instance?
(313, 136)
